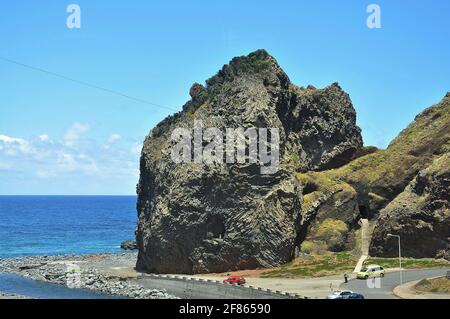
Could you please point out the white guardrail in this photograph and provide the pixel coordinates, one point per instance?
(217, 282)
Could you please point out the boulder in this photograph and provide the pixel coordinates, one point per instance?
(129, 245)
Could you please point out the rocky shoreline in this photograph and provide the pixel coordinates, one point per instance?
(81, 271)
(12, 296)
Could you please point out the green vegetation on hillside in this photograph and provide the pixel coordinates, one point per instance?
(437, 285)
(408, 263)
(327, 264)
(415, 147)
(255, 62)
(315, 266)
(327, 235)
(384, 171)
(331, 225)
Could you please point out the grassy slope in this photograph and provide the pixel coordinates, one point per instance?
(408, 263)
(385, 173)
(415, 148)
(437, 285)
(315, 266)
(338, 263)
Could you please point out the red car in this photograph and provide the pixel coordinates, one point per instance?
(239, 280)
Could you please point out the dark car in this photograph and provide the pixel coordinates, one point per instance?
(238, 280)
(346, 294)
(354, 296)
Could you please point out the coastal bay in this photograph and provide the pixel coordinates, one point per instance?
(111, 275)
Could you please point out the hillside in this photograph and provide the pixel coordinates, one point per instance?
(363, 187)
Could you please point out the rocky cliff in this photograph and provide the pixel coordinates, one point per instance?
(420, 214)
(214, 216)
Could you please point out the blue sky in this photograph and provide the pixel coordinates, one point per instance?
(59, 137)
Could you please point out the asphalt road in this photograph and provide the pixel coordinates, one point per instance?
(389, 282)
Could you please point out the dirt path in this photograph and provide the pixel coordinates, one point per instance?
(365, 243)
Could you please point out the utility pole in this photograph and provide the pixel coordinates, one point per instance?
(399, 255)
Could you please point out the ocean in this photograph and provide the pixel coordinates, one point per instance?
(54, 225)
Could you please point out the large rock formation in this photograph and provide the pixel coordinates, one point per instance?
(420, 215)
(213, 217)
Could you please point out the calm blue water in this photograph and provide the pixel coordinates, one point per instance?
(51, 225)
(43, 290)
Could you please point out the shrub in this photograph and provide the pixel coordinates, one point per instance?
(313, 247)
(333, 232)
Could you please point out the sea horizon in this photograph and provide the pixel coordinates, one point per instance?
(65, 224)
(67, 195)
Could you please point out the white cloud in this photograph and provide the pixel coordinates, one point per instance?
(114, 138)
(44, 138)
(9, 140)
(70, 157)
(13, 145)
(76, 163)
(73, 134)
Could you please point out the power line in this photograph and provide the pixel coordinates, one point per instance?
(87, 84)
